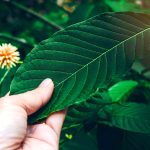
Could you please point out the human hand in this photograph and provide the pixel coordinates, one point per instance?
(15, 134)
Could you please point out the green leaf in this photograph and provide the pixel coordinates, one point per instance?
(77, 114)
(6, 77)
(86, 10)
(122, 5)
(128, 116)
(126, 5)
(121, 90)
(83, 57)
(118, 92)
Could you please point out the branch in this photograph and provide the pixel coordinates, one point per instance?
(9, 37)
(4, 76)
(34, 14)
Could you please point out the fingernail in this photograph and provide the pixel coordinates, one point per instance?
(46, 82)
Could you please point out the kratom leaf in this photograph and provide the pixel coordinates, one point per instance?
(121, 90)
(83, 57)
(118, 92)
(89, 108)
(128, 116)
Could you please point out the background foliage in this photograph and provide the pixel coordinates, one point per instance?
(26, 23)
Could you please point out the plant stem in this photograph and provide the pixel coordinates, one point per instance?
(9, 37)
(4, 76)
(35, 14)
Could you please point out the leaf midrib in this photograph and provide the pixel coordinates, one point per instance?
(102, 55)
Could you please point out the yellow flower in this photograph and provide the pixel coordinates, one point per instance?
(9, 56)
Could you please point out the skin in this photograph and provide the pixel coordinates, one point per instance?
(15, 134)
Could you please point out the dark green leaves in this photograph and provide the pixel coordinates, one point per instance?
(130, 116)
(86, 112)
(124, 114)
(84, 57)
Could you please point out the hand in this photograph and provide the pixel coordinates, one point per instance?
(15, 134)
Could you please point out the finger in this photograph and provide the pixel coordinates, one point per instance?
(33, 100)
(44, 133)
(55, 121)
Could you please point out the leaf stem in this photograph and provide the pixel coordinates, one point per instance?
(35, 14)
(9, 37)
(4, 76)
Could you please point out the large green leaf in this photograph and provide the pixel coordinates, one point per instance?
(121, 90)
(83, 57)
(128, 116)
(86, 112)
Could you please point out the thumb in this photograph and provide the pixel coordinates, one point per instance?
(33, 100)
